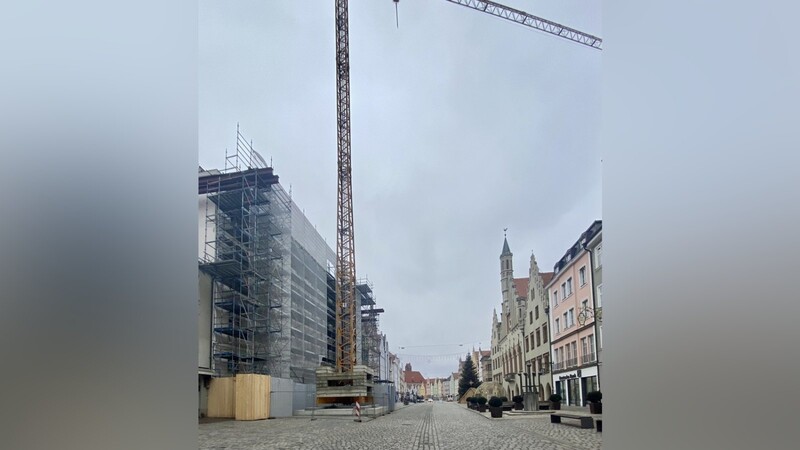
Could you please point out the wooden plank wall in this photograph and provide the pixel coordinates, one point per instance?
(252, 396)
(222, 398)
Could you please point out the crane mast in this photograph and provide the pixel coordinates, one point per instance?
(347, 311)
(347, 308)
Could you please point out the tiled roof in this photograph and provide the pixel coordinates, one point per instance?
(521, 284)
(546, 277)
(413, 377)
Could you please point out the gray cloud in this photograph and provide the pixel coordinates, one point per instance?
(463, 124)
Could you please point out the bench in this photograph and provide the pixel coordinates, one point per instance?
(586, 421)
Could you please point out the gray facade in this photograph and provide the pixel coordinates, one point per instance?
(309, 307)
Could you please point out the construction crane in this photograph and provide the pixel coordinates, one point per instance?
(347, 312)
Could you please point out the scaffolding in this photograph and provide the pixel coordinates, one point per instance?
(370, 331)
(246, 237)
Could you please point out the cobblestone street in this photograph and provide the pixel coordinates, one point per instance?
(417, 426)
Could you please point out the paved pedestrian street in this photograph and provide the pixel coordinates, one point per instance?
(416, 426)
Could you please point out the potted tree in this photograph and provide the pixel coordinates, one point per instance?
(496, 407)
(518, 402)
(482, 404)
(555, 401)
(595, 399)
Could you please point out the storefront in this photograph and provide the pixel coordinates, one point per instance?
(573, 385)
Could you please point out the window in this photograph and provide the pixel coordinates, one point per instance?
(530, 316)
(600, 337)
(566, 322)
(599, 301)
(584, 350)
(536, 310)
(544, 333)
(563, 290)
(555, 298)
(574, 349)
(526, 344)
(538, 337)
(598, 256)
(569, 286)
(571, 317)
(585, 305)
(582, 275)
(591, 343)
(558, 327)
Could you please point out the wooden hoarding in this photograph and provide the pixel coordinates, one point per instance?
(222, 398)
(252, 397)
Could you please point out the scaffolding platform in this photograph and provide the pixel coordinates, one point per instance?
(345, 387)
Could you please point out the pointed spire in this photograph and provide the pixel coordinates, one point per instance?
(506, 249)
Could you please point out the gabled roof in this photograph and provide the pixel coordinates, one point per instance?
(521, 285)
(547, 277)
(413, 377)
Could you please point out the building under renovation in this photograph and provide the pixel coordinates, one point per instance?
(369, 335)
(267, 292)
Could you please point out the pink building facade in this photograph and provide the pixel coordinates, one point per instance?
(572, 324)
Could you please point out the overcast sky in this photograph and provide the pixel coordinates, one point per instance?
(463, 124)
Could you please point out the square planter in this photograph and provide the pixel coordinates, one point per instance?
(496, 412)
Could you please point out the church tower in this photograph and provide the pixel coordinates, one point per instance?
(507, 285)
